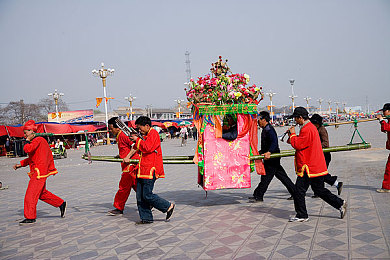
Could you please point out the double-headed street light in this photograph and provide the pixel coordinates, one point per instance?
(271, 94)
(103, 73)
(320, 102)
(56, 96)
(130, 98)
(292, 93)
(329, 102)
(179, 105)
(307, 102)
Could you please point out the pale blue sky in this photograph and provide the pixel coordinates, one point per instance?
(338, 50)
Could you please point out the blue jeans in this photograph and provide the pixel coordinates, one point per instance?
(146, 199)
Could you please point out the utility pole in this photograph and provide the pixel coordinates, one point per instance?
(56, 97)
(271, 94)
(307, 102)
(103, 73)
(22, 111)
(130, 98)
(320, 102)
(292, 93)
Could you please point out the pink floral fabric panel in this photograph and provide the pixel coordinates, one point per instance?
(226, 162)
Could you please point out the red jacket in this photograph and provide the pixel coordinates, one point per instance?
(39, 158)
(150, 161)
(124, 146)
(385, 127)
(309, 156)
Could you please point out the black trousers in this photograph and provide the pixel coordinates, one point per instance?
(317, 184)
(271, 170)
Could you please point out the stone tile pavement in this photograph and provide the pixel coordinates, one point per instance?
(222, 226)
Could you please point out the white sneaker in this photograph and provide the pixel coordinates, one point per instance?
(295, 219)
(343, 209)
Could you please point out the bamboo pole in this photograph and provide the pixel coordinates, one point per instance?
(354, 121)
(184, 160)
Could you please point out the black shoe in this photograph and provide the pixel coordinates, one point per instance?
(170, 212)
(115, 212)
(339, 188)
(27, 222)
(343, 209)
(255, 199)
(290, 198)
(63, 209)
(315, 196)
(143, 222)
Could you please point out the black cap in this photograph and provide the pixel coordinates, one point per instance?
(385, 107)
(299, 111)
(316, 119)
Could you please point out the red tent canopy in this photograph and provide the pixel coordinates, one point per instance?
(15, 131)
(3, 131)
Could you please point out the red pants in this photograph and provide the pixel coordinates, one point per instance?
(386, 179)
(37, 190)
(128, 181)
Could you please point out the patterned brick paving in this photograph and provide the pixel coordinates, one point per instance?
(222, 226)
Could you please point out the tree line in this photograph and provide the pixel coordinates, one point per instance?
(18, 112)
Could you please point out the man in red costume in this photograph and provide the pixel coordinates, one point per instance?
(129, 171)
(385, 127)
(40, 160)
(150, 169)
(310, 166)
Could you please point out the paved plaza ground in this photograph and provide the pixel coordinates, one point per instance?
(222, 226)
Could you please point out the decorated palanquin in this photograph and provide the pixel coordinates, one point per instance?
(223, 163)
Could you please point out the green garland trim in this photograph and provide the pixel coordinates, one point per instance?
(227, 109)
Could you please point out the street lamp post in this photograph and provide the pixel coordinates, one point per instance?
(292, 93)
(130, 98)
(271, 94)
(337, 107)
(329, 102)
(320, 102)
(179, 105)
(56, 96)
(344, 104)
(307, 102)
(103, 73)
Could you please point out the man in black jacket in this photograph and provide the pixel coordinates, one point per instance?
(269, 145)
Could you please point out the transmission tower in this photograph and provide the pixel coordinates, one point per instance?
(188, 66)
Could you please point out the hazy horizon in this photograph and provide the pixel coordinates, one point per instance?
(337, 50)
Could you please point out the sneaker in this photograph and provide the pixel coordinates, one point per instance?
(170, 212)
(255, 199)
(382, 190)
(290, 198)
(63, 209)
(27, 222)
(143, 222)
(115, 212)
(339, 188)
(343, 209)
(296, 219)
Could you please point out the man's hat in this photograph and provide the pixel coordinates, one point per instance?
(30, 125)
(385, 107)
(316, 119)
(299, 111)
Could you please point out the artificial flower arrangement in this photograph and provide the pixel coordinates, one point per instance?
(221, 89)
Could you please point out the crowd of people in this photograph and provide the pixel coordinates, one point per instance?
(311, 166)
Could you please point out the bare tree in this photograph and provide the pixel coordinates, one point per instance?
(48, 105)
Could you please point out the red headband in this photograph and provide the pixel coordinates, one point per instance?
(30, 125)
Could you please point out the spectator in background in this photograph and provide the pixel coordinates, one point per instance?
(195, 133)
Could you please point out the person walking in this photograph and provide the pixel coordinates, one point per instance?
(310, 167)
(40, 160)
(385, 127)
(269, 145)
(150, 168)
(129, 171)
(317, 121)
